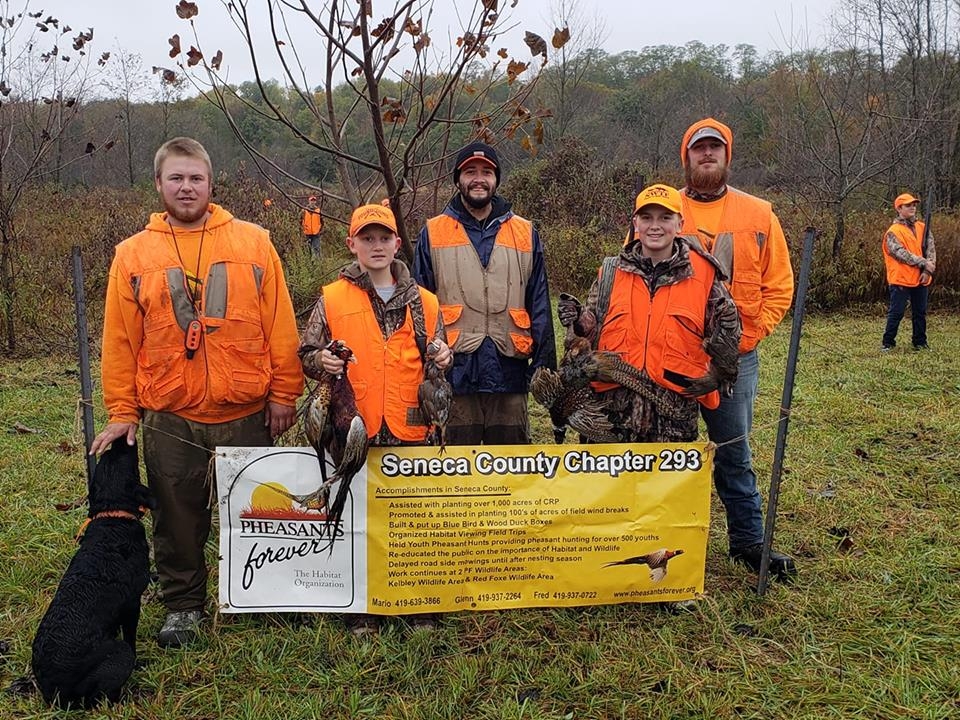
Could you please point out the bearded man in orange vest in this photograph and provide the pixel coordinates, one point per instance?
(486, 266)
(199, 347)
(910, 263)
(742, 232)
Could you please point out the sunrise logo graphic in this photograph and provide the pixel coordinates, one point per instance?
(273, 501)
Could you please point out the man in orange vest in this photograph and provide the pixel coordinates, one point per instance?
(910, 261)
(377, 309)
(742, 232)
(486, 266)
(199, 347)
(666, 312)
(312, 223)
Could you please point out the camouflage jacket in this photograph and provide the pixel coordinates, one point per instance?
(669, 416)
(390, 315)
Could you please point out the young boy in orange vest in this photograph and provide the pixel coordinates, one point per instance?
(377, 309)
(662, 307)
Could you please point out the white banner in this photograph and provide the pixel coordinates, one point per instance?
(276, 551)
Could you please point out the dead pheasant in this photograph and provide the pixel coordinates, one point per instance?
(333, 423)
(436, 395)
(581, 361)
(656, 561)
(572, 404)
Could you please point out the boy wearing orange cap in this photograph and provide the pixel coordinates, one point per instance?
(662, 307)
(910, 260)
(376, 293)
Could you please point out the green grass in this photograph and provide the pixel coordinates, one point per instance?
(871, 631)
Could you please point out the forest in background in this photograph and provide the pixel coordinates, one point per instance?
(830, 135)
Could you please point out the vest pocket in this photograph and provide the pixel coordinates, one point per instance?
(161, 379)
(245, 373)
(523, 344)
(451, 313)
(520, 317)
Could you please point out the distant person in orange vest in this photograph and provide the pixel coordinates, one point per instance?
(376, 292)
(486, 265)
(662, 307)
(267, 203)
(200, 348)
(312, 224)
(743, 233)
(911, 262)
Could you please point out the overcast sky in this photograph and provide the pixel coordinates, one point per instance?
(143, 26)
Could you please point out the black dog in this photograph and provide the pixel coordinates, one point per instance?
(77, 658)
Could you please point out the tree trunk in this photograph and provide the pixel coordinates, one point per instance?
(7, 292)
(839, 228)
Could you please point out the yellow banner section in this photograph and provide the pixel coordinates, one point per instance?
(547, 525)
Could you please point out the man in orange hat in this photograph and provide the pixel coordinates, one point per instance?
(742, 232)
(312, 223)
(911, 261)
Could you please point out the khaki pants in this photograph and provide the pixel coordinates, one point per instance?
(177, 476)
(489, 419)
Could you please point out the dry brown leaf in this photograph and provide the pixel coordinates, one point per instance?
(560, 37)
(186, 10)
(514, 69)
(174, 45)
(537, 45)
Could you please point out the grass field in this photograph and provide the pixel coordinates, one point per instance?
(871, 629)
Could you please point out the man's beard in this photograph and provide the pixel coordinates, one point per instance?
(707, 180)
(474, 202)
(184, 216)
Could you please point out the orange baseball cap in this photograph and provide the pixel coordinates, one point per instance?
(904, 199)
(662, 195)
(372, 215)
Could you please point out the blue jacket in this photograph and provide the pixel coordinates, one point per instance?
(485, 370)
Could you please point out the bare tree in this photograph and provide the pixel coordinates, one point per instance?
(860, 113)
(412, 118)
(130, 85)
(41, 94)
(563, 83)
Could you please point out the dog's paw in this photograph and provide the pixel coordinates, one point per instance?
(23, 686)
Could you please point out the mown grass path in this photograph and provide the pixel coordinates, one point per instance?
(870, 630)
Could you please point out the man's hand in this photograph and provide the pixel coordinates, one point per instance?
(111, 432)
(279, 418)
(568, 309)
(929, 267)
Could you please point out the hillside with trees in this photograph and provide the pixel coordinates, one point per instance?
(830, 134)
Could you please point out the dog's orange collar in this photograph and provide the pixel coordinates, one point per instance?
(108, 514)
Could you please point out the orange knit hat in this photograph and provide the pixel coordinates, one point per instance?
(708, 127)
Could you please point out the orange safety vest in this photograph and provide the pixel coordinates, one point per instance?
(388, 373)
(661, 333)
(232, 365)
(737, 247)
(478, 301)
(899, 273)
(312, 222)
